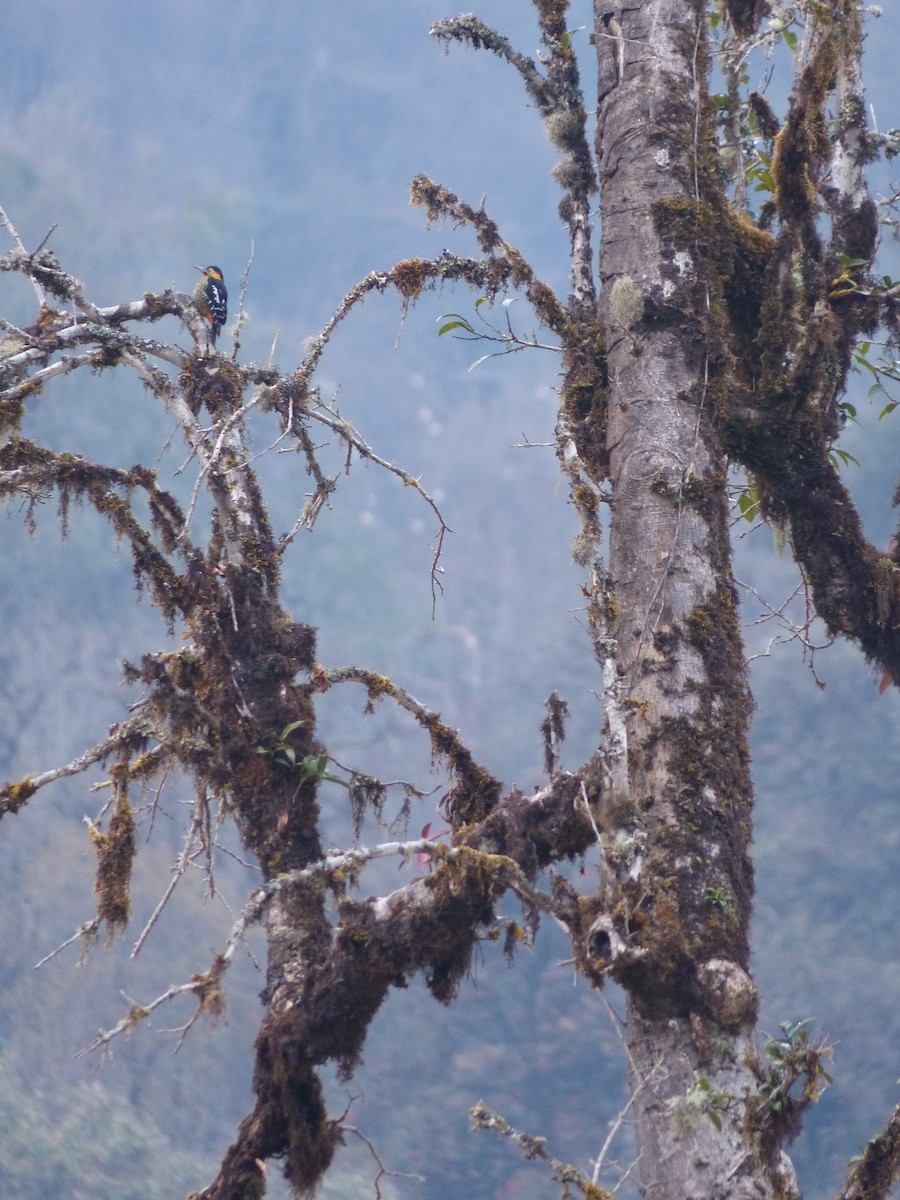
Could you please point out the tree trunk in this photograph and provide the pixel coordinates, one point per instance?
(681, 914)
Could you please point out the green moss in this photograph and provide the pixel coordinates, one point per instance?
(157, 306)
(14, 795)
(722, 300)
(553, 12)
(411, 276)
(115, 851)
(585, 395)
(378, 686)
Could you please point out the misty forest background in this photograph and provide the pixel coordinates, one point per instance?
(159, 136)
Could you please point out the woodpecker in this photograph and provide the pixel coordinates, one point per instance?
(210, 299)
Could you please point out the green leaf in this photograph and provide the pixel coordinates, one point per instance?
(314, 767)
(289, 729)
(837, 455)
(748, 503)
(853, 262)
(764, 181)
(457, 323)
(846, 413)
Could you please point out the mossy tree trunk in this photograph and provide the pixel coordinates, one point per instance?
(682, 899)
(686, 281)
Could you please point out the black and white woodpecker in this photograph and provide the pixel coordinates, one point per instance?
(210, 299)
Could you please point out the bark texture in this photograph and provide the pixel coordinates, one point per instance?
(681, 916)
(715, 354)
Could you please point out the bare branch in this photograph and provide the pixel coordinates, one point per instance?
(470, 30)
(136, 1014)
(327, 416)
(242, 316)
(131, 732)
(508, 267)
(383, 1171)
(446, 742)
(532, 1147)
(177, 872)
(11, 230)
(87, 931)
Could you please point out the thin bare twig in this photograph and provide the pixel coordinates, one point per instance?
(11, 230)
(87, 931)
(242, 315)
(383, 1171)
(134, 1016)
(326, 416)
(178, 871)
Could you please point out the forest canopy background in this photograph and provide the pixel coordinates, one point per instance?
(161, 138)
